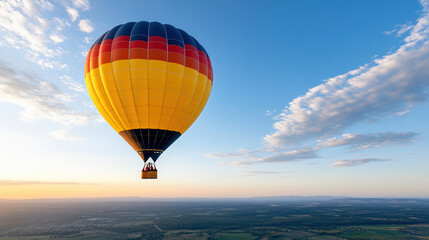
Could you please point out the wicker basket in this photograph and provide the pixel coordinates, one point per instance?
(150, 174)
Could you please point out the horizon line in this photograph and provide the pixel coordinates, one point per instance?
(327, 197)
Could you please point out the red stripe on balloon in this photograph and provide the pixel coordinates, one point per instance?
(121, 49)
(157, 39)
(157, 54)
(192, 63)
(176, 58)
(210, 75)
(94, 56)
(191, 48)
(120, 54)
(138, 53)
(87, 68)
(175, 48)
(106, 51)
(138, 44)
(158, 45)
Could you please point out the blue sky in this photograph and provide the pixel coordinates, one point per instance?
(309, 98)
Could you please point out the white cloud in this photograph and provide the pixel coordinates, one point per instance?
(250, 156)
(57, 38)
(373, 140)
(73, 13)
(83, 54)
(291, 156)
(263, 172)
(48, 63)
(87, 39)
(43, 4)
(400, 30)
(270, 112)
(82, 4)
(72, 84)
(60, 24)
(23, 26)
(356, 162)
(353, 141)
(65, 135)
(86, 26)
(391, 85)
(388, 86)
(247, 157)
(39, 99)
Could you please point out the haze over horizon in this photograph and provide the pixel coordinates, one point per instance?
(309, 98)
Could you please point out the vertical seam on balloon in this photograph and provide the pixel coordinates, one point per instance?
(107, 97)
(92, 82)
(98, 98)
(200, 105)
(116, 86)
(168, 132)
(131, 83)
(109, 100)
(203, 102)
(89, 81)
(147, 81)
(183, 77)
(184, 116)
(165, 86)
(202, 97)
(196, 114)
(199, 102)
(140, 127)
(181, 87)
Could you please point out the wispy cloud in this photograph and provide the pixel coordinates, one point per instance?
(386, 86)
(73, 13)
(82, 4)
(241, 153)
(38, 98)
(33, 182)
(56, 38)
(357, 162)
(353, 141)
(248, 157)
(87, 39)
(373, 140)
(390, 85)
(400, 29)
(255, 173)
(23, 26)
(86, 26)
(270, 112)
(291, 156)
(64, 134)
(72, 84)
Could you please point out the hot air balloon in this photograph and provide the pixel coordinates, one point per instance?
(150, 82)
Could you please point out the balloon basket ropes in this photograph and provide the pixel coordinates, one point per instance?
(152, 174)
(149, 171)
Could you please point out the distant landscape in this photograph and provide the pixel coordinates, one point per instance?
(198, 218)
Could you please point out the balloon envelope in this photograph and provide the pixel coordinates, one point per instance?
(150, 82)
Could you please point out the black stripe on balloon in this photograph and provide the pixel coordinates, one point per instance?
(150, 139)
